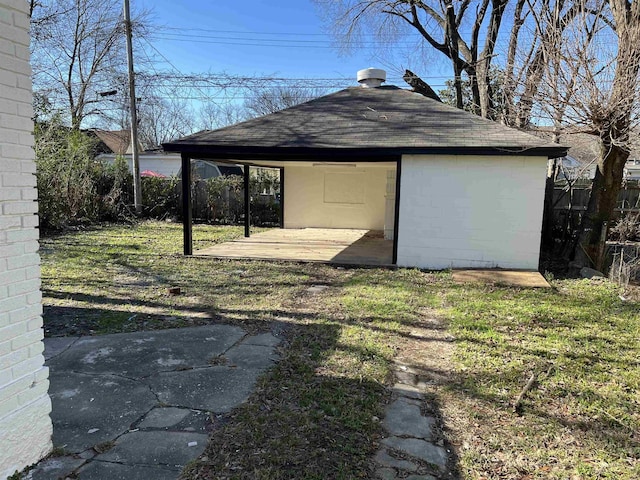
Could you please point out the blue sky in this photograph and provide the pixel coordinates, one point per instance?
(285, 38)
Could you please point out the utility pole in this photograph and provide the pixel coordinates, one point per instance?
(137, 191)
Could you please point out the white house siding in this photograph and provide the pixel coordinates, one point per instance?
(470, 211)
(335, 197)
(25, 426)
(167, 165)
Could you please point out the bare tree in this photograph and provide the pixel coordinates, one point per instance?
(538, 28)
(589, 83)
(606, 100)
(212, 115)
(438, 23)
(163, 119)
(77, 53)
(272, 99)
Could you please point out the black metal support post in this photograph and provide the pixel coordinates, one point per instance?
(186, 205)
(282, 197)
(396, 219)
(247, 203)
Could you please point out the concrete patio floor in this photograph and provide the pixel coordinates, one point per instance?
(141, 405)
(340, 246)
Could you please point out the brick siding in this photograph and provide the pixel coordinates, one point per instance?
(25, 426)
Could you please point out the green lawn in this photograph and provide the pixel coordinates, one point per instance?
(315, 415)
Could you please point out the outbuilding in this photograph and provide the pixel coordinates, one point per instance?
(450, 189)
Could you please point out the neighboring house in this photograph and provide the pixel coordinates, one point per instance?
(116, 143)
(451, 188)
(632, 169)
(25, 426)
(584, 152)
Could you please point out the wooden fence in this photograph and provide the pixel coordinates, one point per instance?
(570, 202)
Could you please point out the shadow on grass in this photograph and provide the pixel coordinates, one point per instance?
(305, 419)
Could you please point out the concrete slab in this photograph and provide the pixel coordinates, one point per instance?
(510, 278)
(164, 417)
(54, 468)
(143, 398)
(251, 356)
(116, 471)
(54, 346)
(160, 448)
(264, 339)
(197, 421)
(141, 354)
(328, 245)
(404, 418)
(88, 410)
(216, 389)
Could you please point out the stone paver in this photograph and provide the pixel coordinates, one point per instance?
(264, 339)
(141, 354)
(418, 448)
(217, 389)
(251, 356)
(54, 468)
(138, 405)
(91, 409)
(410, 450)
(164, 417)
(116, 471)
(170, 449)
(57, 345)
(386, 460)
(386, 474)
(404, 418)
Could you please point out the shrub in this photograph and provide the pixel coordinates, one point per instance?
(224, 199)
(66, 175)
(627, 228)
(161, 197)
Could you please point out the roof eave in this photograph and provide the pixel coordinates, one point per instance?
(373, 153)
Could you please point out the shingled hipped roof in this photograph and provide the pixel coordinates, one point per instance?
(366, 121)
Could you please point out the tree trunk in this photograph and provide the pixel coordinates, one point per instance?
(613, 120)
(475, 91)
(607, 182)
(484, 91)
(509, 75)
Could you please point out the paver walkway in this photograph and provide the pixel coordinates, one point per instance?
(140, 405)
(412, 449)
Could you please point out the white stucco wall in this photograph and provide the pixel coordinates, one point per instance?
(470, 211)
(335, 197)
(25, 426)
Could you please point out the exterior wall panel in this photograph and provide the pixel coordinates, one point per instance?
(335, 197)
(471, 211)
(25, 426)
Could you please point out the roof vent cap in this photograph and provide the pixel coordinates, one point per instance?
(371, 77)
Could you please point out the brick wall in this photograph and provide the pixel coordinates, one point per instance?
(25, 426)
